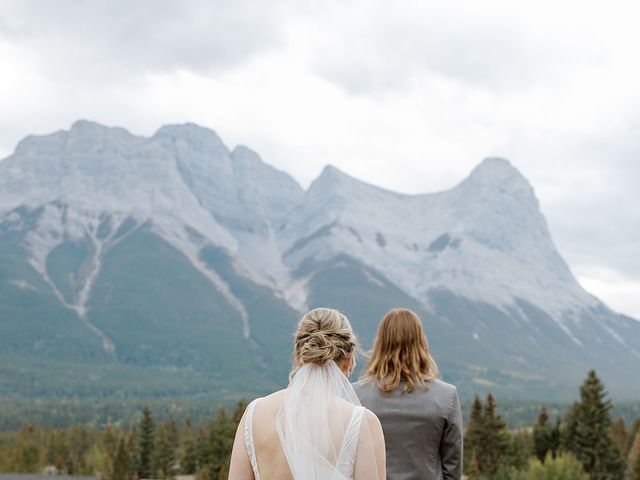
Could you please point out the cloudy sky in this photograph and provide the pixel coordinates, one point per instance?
(408, 95)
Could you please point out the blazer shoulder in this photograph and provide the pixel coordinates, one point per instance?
(364, 388)
(443, 386)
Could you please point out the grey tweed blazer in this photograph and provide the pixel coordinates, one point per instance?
(422, 430)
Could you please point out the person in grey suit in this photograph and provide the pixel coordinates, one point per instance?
(420, 414)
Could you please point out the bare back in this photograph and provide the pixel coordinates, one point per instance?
(271, 462)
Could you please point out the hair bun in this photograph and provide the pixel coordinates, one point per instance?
(318, 350)
(324, 335)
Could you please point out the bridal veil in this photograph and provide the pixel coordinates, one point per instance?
(323, 430)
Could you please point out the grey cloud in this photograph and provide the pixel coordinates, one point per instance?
(386, 52)
(597, 223)
(99, 39)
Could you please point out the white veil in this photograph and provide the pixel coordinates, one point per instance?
(313, 426)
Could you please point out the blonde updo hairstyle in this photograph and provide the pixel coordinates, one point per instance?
(324, 335)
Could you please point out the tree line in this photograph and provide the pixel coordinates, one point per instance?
(148, 450)
(585, 444)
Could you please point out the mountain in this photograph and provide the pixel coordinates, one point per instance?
(171, 265)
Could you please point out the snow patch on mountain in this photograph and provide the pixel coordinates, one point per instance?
(78, 176)
(484, 240)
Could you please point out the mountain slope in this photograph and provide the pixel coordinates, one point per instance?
(480, 257)
(174, 264)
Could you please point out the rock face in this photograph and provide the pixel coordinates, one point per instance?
(122, 255)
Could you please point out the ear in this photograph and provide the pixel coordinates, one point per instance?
(345, 365)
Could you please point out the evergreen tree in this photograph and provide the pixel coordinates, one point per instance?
(542, 435)
(556, 438)
(620, 437)
(222, 473)
(568, 432)
(109, 441)
(495, 440)
(518, 452)
(203, 474)
(220, 442)
(635, 428)
(80, 444)
(189, 461)
(120, 465)
(132, 450)
(173, 433)
(634, 459)
(546, 437)
(589, 429)
(164, 454)
(473, 436)
(202, 447)
(51, 449)
(63, 456)
(29, 457)
(145, 444)
(241, 406)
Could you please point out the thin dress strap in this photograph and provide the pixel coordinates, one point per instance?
(248, 439)
(347, 456)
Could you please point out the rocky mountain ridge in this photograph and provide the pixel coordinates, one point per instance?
(477, 260)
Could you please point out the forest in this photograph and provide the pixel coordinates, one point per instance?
(584, 443)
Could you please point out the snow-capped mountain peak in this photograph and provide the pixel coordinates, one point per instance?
(478, 258)
(198, 138)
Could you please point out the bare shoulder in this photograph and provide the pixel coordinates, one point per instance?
(372, 420)
(270, 402)
(275, 396)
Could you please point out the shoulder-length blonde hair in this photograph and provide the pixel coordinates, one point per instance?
(400, 353)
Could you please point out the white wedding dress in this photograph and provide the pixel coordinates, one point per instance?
(321, 426)
(346, 456)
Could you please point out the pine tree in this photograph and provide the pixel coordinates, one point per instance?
(546, 437)
(519, 450)
(495, 440)
(132, 450)
(202, 447)
(620, 437)
(173, 433)
(241, 406)
(556, 438)
(589, 430)
(63, 455)
(146, 445)
(120, 465)
(79, 443)
(473, 436)
(634, 459)
(220, 442)
(51, 449)
(203, 474)
(635, 428)
(109, 441)
(222, 473)
(163, 454)
(542, 433)
(635, 469)
(189, 461)
(29, 457)
(568, 432)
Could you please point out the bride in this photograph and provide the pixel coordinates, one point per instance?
(315, 428)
